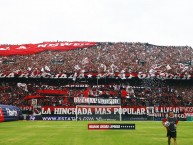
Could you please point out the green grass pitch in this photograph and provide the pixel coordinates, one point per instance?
(76, 133)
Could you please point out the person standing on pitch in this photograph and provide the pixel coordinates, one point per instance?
(171, 125)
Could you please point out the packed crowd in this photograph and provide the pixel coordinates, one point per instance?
(167, 96)
(13, 94)
(106, 58)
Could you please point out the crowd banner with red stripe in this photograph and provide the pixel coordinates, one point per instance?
(27, 49)
(90, 75)
(107, 112)
(134, 110)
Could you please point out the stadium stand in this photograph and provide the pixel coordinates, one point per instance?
(113, 61)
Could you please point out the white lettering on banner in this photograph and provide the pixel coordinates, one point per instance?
(132, 111)
(48, 111)
(179, 115)
(102, 110)
(187, 109)
(55, 76)
(142, 76)
(63, 44)
(66, 44)
(21, 47)
(2, 75)
(63, 76)
(92, 100)
(165, 76)
(180, 112)
(11, 112)
(36, 48)
(46, 75)
(96, 100)
(156, 109)
(84, 111)
(53, 45)
(64, 110)
(24, 75)
(167, 109)
(83, 75)
(6, 48)
(158, 114)
(11, 75)
(42, 45)
(26, 108)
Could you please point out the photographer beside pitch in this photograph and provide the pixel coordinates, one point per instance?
(171, 124)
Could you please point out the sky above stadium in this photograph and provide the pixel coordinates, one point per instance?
(159, 22)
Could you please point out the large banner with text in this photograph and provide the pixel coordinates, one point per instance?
(84, 100)
(27, 49)
(105, 112)
(90, 75)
